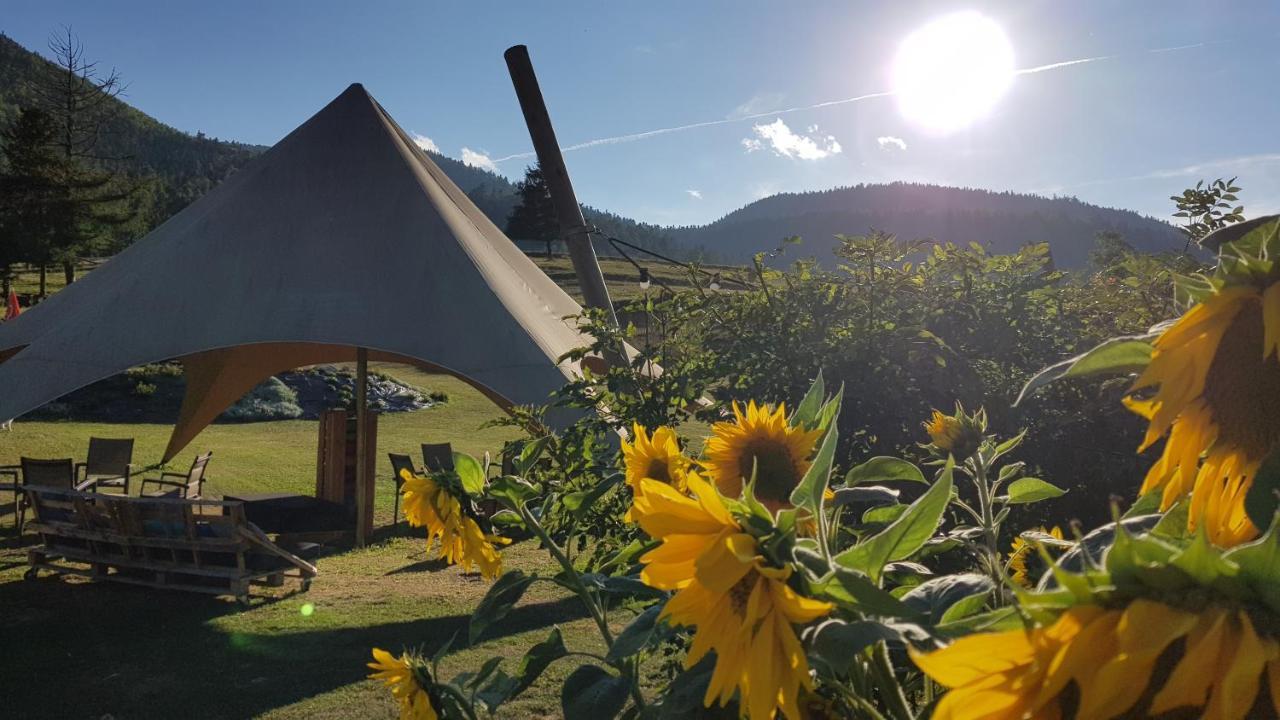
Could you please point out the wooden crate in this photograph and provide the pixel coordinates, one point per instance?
(336, 461)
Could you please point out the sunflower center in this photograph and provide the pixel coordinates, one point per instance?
(658, 471)
(740, 593)
(774, 467)
(1242, 390)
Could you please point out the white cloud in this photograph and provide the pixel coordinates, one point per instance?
(759, 103)
(786, 143)
(478, 159)
(889, 142)
(695, 194)
(426, 143)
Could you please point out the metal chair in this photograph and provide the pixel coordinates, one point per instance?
(59, 474)
(398, 463)
(188, 485)
(437, 457)
(109, 463)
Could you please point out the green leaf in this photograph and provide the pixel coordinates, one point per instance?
(470, 472)
(683, 699)
(537, 658)
(501, 688)
(855, 591)
(883, 515)
(637, 635)
(579, 502)
(882, 469)
(592, 693)
(1028, 490)
(1259, 564)
(1144, 505)
(935, 597)
(1202, 562)
(838, 643)
(806, 413)
(513, 491)
(965, 607)
(1114, 356)
(502, 596)
(530, 453)
(809, 494)
(906, 535)
(1263, 499)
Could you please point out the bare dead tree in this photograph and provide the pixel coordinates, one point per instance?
(81, 100)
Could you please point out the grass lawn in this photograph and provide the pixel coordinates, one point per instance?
(79, 650)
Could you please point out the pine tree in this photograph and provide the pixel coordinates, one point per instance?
(534, 218)
(33, 201)
(97, 201)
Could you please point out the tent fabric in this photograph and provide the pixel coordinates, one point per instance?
(343, 235)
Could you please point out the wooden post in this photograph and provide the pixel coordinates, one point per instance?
(362, 470)
(573, 228)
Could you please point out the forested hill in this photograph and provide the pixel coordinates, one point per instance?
(1002, 221)
(182, 167)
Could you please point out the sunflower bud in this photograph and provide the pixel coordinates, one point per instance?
(959, 435)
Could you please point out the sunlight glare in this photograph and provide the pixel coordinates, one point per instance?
(952, 71)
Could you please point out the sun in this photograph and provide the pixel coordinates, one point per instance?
(952, 71)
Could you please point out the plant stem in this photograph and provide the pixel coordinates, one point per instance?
(628, 667)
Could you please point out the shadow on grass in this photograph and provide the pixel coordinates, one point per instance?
(423, 566)
(89, 650)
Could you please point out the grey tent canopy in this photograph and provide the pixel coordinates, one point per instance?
(343, 235)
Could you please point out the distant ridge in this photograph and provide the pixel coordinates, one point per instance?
(1001, 221)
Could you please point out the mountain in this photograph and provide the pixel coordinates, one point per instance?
(1002, 221)
(181, 167)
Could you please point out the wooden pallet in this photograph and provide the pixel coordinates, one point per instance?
(167, 543)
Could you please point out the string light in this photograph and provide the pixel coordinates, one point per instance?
(644, 278)
(715, 282)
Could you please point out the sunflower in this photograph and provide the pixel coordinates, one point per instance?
(742, 607)
(1110, 655)
(406, 677)
(1020, 550)
(1216, 376)
(959, 435)
(656, 457)
(759, 440)
(430, 504)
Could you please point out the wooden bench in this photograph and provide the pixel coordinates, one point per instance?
(196, 545)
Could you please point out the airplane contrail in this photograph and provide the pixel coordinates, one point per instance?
(632, 137)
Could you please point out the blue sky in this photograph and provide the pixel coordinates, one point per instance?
(1127, 130)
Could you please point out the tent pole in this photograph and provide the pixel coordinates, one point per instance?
(573, 228)
(362, 416)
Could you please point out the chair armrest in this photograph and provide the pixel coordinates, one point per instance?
(85, 486)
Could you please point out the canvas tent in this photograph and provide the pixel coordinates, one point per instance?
(343, 235)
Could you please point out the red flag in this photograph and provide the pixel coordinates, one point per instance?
(13, 310)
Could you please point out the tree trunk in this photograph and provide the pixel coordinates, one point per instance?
(44, 272)
(69, 272)
(548, 249)
(5, 281)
